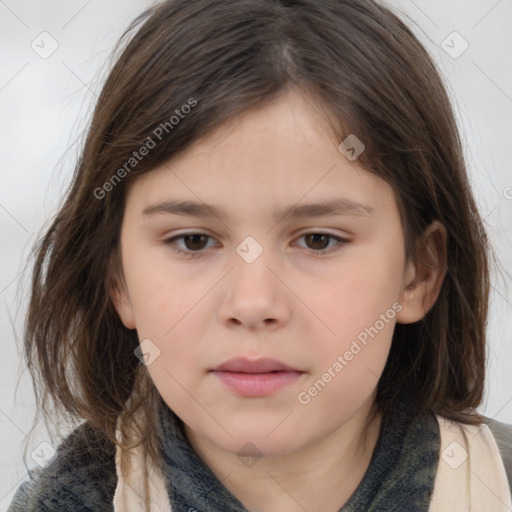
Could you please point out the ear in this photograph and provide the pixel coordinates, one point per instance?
(423, 279)
(118, 292)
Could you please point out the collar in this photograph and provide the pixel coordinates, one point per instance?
(402, 469)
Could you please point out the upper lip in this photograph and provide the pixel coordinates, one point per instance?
(243, 365)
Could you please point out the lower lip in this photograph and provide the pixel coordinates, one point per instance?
(257, 384)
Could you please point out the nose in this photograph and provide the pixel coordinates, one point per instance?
(254, 295)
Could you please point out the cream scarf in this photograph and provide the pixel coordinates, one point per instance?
(470, 477)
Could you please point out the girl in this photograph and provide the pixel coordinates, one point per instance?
(221, 357)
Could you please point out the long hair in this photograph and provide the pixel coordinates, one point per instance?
(185, 68)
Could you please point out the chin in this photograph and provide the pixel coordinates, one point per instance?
(255, 448)
(260, 442)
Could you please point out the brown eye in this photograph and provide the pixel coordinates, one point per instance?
(195, 242)
(189, 244)
(318, 241)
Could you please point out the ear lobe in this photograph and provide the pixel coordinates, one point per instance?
(423, 279)
(119, 296)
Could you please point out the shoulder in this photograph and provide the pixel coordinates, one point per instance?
(478, 453)
(502, 433)
(82, 476)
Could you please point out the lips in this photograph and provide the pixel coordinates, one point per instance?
(243, 365)
(256, 378)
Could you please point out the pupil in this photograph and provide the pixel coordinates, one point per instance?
(317, 236)
(194, 238)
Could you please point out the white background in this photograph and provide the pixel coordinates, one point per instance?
(45, 105)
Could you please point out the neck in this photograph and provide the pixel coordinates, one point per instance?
(320, 476)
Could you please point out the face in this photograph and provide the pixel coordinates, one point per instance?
(261, 276)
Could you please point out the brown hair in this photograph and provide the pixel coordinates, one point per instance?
(357, 59)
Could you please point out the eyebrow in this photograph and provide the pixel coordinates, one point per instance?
(189, 208)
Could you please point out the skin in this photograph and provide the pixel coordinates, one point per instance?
(295, 302)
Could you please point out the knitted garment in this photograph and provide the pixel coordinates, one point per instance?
(82, 478)
(401, 472)
(470, 477)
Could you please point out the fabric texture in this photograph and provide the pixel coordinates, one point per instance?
(471, 475)
(81, 478)
(84, 476)
(143, 488)
(454, 467)
(502, 433)
(402, 470)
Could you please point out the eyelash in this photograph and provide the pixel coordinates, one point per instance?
(171, 242)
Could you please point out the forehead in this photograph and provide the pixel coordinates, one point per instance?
(278, 155)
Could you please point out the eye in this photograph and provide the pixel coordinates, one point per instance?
(195, 243)
(319, 241)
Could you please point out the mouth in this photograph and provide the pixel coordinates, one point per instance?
(243, 365)
(256, 378)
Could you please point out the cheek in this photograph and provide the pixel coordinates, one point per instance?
(170, 312)
(348, 365)
(160, 295)
(360, 307)
(359, 293)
